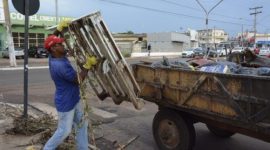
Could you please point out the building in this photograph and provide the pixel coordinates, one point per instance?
(263, 40)
(37, 29)
(247, 38)
(167, 43)
(212, 37)
(194, 38)
(131, 43)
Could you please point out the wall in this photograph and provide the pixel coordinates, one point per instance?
(129, 43)
(168, 42)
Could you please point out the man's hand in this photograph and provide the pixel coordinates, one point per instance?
(90, 61)
(63, 24)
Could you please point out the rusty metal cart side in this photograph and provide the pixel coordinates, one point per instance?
(226, 103)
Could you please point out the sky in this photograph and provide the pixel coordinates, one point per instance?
(148, 16)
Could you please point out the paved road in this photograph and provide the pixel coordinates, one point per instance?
(129, 122)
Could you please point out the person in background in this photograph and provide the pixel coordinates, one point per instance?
(257, 50)
(149, 49)
(67, 94)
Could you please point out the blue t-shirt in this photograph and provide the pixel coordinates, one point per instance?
(67, 92)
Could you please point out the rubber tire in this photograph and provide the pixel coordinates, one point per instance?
(185, 129)
(219, 132)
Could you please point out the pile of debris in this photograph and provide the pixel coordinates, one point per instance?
(245, 62)
(38, 126)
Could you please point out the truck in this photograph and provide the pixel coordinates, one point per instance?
(226, 103)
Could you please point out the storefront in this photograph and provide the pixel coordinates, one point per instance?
(37, 29)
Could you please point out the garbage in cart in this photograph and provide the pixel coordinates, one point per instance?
(237, 63)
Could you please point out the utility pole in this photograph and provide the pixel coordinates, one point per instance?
(242, 34)
(255, 20)
(206, 18)
(56, 11)
(12, 58)
(215, 37)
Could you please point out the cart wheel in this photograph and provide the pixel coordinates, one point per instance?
(220, 132)
(172, 132)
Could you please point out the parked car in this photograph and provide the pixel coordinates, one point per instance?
(211, 52)
(37, 52)
(198, 52)
(237, 49)
(221, 51)
(188, 53)
(264, 52)
(19, 52)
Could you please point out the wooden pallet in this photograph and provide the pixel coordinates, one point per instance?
(90, 36)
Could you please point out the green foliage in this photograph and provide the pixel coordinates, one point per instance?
(126, 53)
(128, 32)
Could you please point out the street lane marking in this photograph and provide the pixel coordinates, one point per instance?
(21, 68)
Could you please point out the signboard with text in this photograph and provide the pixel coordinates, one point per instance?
(39, 20)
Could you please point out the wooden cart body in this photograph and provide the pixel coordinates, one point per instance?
(237, 103)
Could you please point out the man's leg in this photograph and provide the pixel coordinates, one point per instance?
(80, 128)
(64, 127)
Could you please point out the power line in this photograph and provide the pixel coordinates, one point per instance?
(199, 10)
(168, 12)
(152, 9)
(261, 19)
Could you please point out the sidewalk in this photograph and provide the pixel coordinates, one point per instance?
(36, 110)
(4, 62)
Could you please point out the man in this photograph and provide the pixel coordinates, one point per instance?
(67, 96)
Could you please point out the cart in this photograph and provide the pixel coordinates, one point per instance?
(226, 103)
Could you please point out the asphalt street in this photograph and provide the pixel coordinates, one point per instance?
(128, 123)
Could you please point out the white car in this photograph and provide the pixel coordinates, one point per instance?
(19, 53)
(188, 53)
(221, 51)
(237, 49)
(264, 52)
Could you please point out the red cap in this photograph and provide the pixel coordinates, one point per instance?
(52, 40)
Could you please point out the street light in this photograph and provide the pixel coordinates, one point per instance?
(206, 19)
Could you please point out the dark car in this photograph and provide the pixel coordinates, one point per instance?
(211, 52)
(198, 52)
(19, 52)
(37, 52)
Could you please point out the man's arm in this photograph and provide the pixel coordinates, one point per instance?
(82, 75)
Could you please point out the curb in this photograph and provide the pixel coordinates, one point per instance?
(101, 114)
(21, 68)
